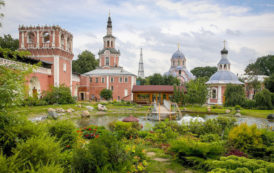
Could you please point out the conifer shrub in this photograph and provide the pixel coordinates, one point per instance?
(263, 99)
(126, 130)
(59, 95)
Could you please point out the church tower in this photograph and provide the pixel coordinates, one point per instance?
(141, 73)
(109, 56)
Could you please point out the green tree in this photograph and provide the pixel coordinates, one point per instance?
(106, 94)
(156, 79)
(59, 95)
(196, 91)
(206, 71)
(2, 3)
(263, 99)
(269, 83)
(234, 95)
(8, 42)
(86, 62)
(171, 80)
(263, 66)
(141, 81)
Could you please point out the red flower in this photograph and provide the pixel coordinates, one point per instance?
(68, 146)
(96, 136)
(89, 129)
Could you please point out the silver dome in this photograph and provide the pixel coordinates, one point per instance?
(223, 77)
(178, 55)
(223, 61)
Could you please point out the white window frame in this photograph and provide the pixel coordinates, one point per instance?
(112, 79)
(126, 79)
(103, 80)
(64, 67)
(121, 79)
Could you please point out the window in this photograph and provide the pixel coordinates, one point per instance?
(107, 61)
(126, 92)
(121, 79)
(125, 79)
(90, 80)
(111, 79)
(178, 62)
(69, 44)
(111, 88)
(65, 67)
(111, 44)
(103, 80)
(118, 97)
(214, 93)
(62, 41)
(31, 37)
(46, 37)
(107, 43)
(180, 71)
(96, 80)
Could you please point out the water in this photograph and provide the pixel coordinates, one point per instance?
(104, 120)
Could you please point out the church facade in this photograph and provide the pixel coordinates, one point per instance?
(178, 67)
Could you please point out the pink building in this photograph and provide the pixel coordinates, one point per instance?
(218, 81)
(109, 74)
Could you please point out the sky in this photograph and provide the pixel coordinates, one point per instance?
(157, 26)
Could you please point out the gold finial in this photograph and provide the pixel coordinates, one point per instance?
(108, 12)
(178, 46)
(224, 43)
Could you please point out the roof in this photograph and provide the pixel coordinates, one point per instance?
(155, 88)
(130, 119)
(223, 60)
(110, 71)
(178, 54)
(223, 77)
(112, 50)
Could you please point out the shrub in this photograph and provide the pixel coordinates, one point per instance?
(59, 95)
(32, 101)
(234, 95)
(65, 131)
(233, 163)
(10, 164)
(249, 104)
(92, 131)
(209, 138)
(243, 136)
(263, 99)
(106, 94)
(104, 154)
(237, 107)
(125, 129)
(38, 150)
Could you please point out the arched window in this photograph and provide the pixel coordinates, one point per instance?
(69, 44)
(111, 43)
(214, 93)
(62, 41)
(107, 61)
(107, 43)
(180, 72)
(225, 66)
(46, 37)
(31, 37)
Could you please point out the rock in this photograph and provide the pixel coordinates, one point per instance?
(52, 113)
(90, 108)
(238, 114)
(60, 110)
(208, 108)
(101, 107)
(227, 111)
(238, 110)
(270, 116)
(85, 114)
(70, 110)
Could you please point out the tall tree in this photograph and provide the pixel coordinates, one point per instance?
(269, 83)
(86, 62)
(196, 91)
(263, 66)
(2, 3)
(158, 79)
(234, 95)
(8, 42)
(206, 71)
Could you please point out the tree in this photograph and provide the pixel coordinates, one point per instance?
(196, 91)
(158, 79)
(2, 3)
(106, 94)
(263, 66)
(141, 81)
(171, 80)
(234, 95)
(269, 83)
(59, 95)
(86, 62)
(263, 99)
(8, 42)
(206, 71)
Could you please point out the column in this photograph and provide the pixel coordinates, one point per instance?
(220, 101)
(37, 39)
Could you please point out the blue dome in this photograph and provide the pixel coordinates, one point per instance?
(224, 61)
(178, 54)
(223, 77)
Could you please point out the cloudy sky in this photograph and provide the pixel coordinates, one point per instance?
(157, 26)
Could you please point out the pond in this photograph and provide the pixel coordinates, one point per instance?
(104, 120)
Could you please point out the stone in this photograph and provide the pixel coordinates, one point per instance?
(90, 108)
(85, 114)
(151, 154)
(60, 110)
(227, 111)
(270, 116)
(52, 113)
(238, 114)
(238, 110)
(208, 108)
(70, 110)
(101, 107)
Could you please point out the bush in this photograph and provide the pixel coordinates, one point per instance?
(104, 154)
(249, 104)
(32, 101)
(209, 138)
(231, 163)
(65, 131)
(106, 94)
(92, 131)
(10, 164)
(237, 107)
(125, 129)
(243, 137)
(234, 95)
(59, 95)
(263, 99)
(38, 150)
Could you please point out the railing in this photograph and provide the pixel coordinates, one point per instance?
(21, 66)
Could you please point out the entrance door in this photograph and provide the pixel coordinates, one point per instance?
(82, 96)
